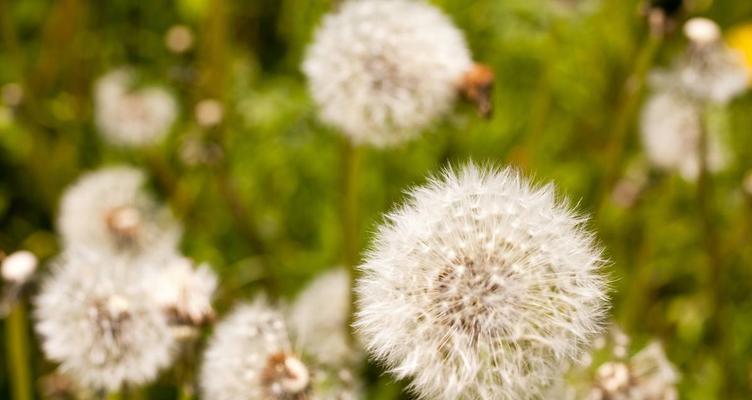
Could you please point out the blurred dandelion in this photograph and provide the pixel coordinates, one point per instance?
(184, 292)
(648, 375)
(132, 117)
(671, 129)
(381, 71)
(250, 357)
(98, 320)
(107, 210)
(481, 287)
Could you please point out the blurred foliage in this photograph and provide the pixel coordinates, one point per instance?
(267, 212)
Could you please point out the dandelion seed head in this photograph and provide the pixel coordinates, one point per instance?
(97, 320)
(671, 129)
(648, 375)
(481, 286)
(132, 117)
(250, 357)
(18, 267)
(710, 71)
(185, 292)
(107, 210)
(381, 71)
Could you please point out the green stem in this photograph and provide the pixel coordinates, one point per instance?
(625, 113)
(116, 395)
(712, 249)
(350, 166)
(18, 352)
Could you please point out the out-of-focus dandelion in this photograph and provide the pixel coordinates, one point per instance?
(97, 319)
(710, 71)
(209, 112)
(184, 292)
(132, 117)
(648, 375)
(179, 39)
(318, 318)
(740, 40)
(481, 287)
(18, 267)
(381, 71)
(671, 128)
(250, 357)
(107, 210)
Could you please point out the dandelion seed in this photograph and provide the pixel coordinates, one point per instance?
(381, 71)
(480, 287)
(97, 320)
(18, 267)
(106, 210)
(132, 117)
(250, 357)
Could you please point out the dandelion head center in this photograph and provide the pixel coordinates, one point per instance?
(109, 316)
(285, 377)
(467, 291)
(124, 222)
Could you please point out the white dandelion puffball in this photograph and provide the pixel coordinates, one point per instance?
(250, 357)
(96, 319)
(648, 375)
(710, 70)
(108, 210)
(671, 130)
(184, 292)
(480, 287)
(132, 117)
(381, 70)
(318, 319)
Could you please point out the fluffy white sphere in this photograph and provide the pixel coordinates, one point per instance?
(97, 320)
(381, 70)
(671, 128)
(480, 287)
(184, 291)
(131, 117)
(107, 210)
(250, 357)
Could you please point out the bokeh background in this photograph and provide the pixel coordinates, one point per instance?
(262, 203)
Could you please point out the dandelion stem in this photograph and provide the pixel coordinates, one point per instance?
(116, 395)
(18, 352)
(350, 166)
(625, 112)
(711, 244)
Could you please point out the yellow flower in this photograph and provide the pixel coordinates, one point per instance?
(740, 39)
